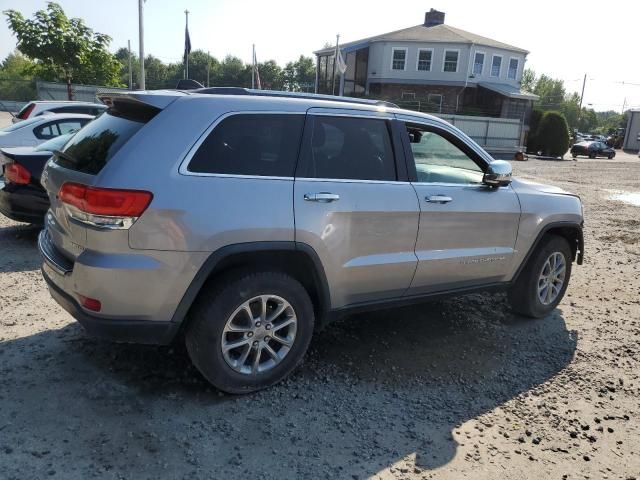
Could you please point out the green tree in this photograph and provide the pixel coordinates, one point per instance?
(550, 91)
(234, 73)
(588, 120)
(528, 83)
(300, 75)
(16, 78)
(553, 134)
(64, 49)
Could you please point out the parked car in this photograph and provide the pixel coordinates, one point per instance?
(46, 107)
(22, 197)
(248, 221)
(37, 130)
(592, 149)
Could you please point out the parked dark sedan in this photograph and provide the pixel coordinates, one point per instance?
(593, 150)
(22, 197)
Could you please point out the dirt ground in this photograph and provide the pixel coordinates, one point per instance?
(453, 389)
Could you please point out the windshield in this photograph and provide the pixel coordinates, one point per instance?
(55, 143)
(21, 124)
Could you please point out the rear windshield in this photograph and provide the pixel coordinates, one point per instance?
(95, 144)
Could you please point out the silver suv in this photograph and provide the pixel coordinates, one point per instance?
(246, 220)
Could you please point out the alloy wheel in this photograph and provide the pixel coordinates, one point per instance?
(259, 334)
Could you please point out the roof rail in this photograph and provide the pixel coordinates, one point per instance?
(278, 93)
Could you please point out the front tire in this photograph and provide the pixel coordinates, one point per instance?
(543, 282)
(251, 331)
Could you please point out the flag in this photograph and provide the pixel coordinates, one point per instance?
(341, 66)
(187, 44)
(256, 73)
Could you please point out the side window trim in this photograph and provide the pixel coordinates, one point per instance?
(394, 136)
(183, 168)
(37, 131)
(448, 135)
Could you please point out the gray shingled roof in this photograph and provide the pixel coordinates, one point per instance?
(436, 34)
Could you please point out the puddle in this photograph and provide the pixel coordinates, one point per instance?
(632, 198)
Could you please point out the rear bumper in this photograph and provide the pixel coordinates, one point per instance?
(59, 273)
(23, 203)
(117, 330)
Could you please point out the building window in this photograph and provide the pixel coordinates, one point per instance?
(424, 59)
(513, 68)
(408, 95)
(450, 61)
(496, 65)
(435, 102)
(399, 58)
(478, 63)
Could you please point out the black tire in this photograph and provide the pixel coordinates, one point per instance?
(610, 156)
(213, 308)
(592, 155)
(523, 295)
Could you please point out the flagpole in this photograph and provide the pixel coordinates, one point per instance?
(141, 81)
(186, 57)
(333, 75)
(253, 66)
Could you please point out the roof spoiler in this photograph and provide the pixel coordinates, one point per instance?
(159, 99)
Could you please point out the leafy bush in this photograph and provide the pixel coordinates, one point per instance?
(552, 134)
(532, 138)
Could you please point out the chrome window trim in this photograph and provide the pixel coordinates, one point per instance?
(183, 169)
(348, 180)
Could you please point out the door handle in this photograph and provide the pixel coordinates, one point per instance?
(324, 197)
(438, 199)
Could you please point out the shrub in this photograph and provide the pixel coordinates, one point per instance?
(532, 137)
(552, 134)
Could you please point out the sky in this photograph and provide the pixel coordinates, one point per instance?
(566, 38)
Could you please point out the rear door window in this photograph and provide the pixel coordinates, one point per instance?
(251, 144)
(349, 148)
(46, 131)
(93, 146)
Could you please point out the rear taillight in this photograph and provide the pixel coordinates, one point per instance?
(104, 207)
(16, 173)
(24, 114)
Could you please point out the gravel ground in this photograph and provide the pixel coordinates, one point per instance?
(452, 389)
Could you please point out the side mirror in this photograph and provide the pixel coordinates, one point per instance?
(498, 174)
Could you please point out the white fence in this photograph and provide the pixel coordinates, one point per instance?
(499, 136)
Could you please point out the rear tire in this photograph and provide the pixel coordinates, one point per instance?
(610, 156)
(243, 310)
(592, 155)
(528, 296)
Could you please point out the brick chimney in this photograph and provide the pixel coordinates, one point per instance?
(433, 18)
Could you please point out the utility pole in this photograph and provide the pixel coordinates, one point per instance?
(584, 81)
(253, 66)
(130, 68)
(208, 67)
(141, 38)
(333, 74)
(186, 56)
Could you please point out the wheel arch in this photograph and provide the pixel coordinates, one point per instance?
(294, 258)
(571, 231)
